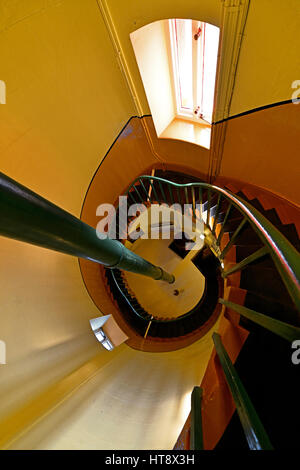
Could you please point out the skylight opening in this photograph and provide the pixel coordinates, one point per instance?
(194, 48)
(177, 60)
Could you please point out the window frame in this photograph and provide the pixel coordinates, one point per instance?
(198, 51)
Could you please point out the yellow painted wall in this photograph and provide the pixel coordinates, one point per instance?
(66, 101)
(66, 96)
(129, 16)
(137, 401)
(44, 321)
(268, 64)
(263, 148)
(269, 58)
(152, 55)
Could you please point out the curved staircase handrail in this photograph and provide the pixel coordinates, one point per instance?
(283, 253)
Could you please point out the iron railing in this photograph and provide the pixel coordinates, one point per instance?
(203, 198)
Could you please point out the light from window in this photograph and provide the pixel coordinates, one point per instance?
(194, 55)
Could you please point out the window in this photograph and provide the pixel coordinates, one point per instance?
(194, 48)
(177, 60)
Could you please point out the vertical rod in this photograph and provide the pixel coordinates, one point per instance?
(148, 327)
(196, 440)
(233, 238)
(131, 195)
(178, 195)
(163, 192)
(171, 193)
(223, 225)
(186, 195)
(148, 197)
(200, 202)
(216, 214)
(154, 190)
(254, 430)
(194, 202)
(150, 188)
(208, 207)
(138, 193)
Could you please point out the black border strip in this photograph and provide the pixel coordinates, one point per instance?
(106, 154)
(244, 113)
(260, 108)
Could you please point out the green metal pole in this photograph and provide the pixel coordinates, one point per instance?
(280, 328)
(28, 217)
(196, 440)
(255, 433)
(242, 264)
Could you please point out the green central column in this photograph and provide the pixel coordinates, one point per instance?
(28, 217)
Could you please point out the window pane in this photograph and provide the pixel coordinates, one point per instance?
(183, 30)
(209, 70)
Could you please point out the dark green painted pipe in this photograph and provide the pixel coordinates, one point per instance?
(28, 217)
(196, 440)
(254, 430)
(280, 328)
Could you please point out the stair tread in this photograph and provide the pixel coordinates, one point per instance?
(289, 230)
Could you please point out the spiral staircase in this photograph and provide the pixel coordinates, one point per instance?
(246, 242)
(250, 266)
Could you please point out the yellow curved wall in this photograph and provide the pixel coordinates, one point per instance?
(67, 100)
(269, 58)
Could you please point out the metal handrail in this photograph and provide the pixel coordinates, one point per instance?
(287, 261)
(285, 257)
(254, 430)
(28, 217)
(283, 253)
